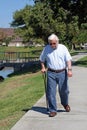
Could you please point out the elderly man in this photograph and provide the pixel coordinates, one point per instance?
(59, 68)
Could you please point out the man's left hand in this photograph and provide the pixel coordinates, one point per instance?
(69, 73)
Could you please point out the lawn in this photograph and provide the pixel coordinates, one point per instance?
(82, 62)
(18, 94)
(19, 49)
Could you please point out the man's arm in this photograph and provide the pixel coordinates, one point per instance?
(69, 64)
(43, 68)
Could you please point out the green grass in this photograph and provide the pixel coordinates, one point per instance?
(82, 62)
(19, 49)
(75, 52)
(18, 94)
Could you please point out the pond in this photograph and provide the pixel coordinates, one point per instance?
(6, 71)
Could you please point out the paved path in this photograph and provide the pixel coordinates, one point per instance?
(37, 118)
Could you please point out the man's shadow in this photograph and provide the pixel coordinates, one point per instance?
(42, 110)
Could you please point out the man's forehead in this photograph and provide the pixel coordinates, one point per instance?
(53, 40)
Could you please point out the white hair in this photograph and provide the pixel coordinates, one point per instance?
(53, 37)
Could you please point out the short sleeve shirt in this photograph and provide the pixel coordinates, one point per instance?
(55, 58)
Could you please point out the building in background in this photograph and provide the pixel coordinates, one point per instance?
(9, 38)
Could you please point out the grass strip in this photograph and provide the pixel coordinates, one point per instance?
(82, 62)
(17, 95)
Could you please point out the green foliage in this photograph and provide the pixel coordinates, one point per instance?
(82, 36)
(64, 18)
(37, 22)
(76, 8)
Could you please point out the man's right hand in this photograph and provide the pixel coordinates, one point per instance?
(43, 70)
(43, 67)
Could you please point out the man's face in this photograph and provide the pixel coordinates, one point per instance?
(53, 44)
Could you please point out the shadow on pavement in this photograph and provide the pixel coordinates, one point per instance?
(42, 110)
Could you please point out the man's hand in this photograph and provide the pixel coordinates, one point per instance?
(43, 70)
(43, 67)
(69, 73)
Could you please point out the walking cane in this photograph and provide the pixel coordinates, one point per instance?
(45, 85)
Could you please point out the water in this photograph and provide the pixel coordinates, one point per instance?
(6, 71)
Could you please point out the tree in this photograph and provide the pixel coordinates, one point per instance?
(21, 21)
(82, 37)
(62, 17)
(72, 32)
(75, 15)
(75, 7)
(6, 40)
(37, 22)
(2, 36)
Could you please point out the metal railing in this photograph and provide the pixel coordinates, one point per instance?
(16, 57)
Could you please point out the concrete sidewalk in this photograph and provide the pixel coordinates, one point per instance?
(37, 118)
